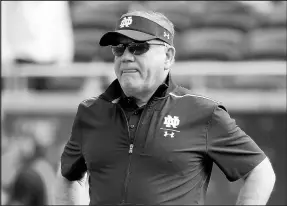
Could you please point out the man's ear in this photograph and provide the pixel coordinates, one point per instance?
(170, 54)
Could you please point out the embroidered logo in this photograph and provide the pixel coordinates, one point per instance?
(171, 134)
(170, 121)
(126, 22)
(166, 35)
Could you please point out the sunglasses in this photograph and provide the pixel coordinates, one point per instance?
(134, 48)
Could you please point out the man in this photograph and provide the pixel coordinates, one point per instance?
(146, 140)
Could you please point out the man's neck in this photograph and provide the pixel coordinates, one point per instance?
(141, 99)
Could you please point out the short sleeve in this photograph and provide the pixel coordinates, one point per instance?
(73, 166)
(234, 152)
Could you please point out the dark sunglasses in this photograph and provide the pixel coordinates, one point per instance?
(134, 48)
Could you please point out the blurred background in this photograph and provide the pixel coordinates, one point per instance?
(232, 51)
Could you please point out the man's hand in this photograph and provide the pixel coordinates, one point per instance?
(70, 192)
(258, 185)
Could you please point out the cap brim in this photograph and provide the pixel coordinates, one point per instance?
(110, 38)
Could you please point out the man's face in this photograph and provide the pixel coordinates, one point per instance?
(141, 74)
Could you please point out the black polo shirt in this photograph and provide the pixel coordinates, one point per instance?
(165, 158)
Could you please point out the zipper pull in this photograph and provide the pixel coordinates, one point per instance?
(131, 148)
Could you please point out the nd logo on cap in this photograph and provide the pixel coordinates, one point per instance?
(126, 22)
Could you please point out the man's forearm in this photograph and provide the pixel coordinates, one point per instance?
(258, 185)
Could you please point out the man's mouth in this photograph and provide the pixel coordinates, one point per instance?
(129, 71)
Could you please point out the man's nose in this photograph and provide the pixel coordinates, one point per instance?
(127, 56)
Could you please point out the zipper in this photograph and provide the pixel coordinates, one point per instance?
(127, 174)
(131, 150)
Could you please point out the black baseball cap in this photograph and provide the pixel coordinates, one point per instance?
(137, 28)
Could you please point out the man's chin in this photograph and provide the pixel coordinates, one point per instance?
(130, 88)
(129, 83)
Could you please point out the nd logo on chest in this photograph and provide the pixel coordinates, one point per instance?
(171, 123)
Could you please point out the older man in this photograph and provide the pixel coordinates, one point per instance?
(146, 140)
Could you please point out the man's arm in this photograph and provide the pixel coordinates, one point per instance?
(69, 192)
(258, 185)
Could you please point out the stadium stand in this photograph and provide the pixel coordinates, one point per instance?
(226, 7)
(229, 14)
(210, 44)
(268, 39)
(183, 14)
(215, 30)
(266, 43)
(277, 17)
(87, 47)
(98, 14)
